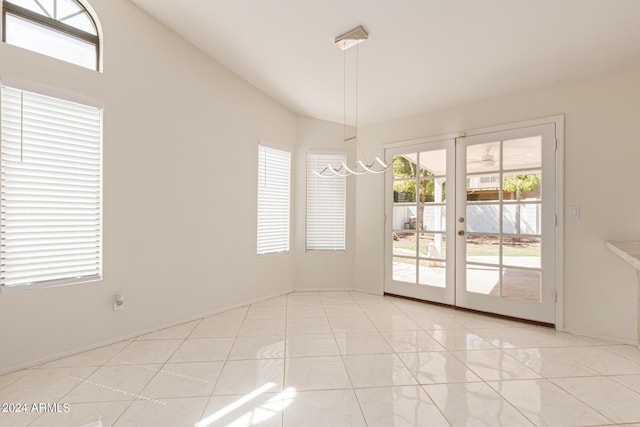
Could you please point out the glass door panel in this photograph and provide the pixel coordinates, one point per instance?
(404, 269)
(471, 222)
(417, 222)
(506, 236)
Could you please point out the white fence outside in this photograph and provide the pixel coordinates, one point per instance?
(480, 218)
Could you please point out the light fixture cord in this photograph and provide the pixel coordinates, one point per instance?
(364, 155)
(357, 82)
(344, 95)
(21, 125)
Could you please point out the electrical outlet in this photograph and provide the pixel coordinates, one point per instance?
(118, 302)
(574, 212)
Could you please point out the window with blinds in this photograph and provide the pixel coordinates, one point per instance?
(326, 204)
(50, 224)
(274, 183)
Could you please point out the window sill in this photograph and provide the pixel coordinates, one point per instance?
(51, 284)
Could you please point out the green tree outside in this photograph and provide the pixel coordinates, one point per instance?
(405, 190)
(405, 169)
(519, 184)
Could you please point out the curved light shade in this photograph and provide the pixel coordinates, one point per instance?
(346, 41)
(359, 169)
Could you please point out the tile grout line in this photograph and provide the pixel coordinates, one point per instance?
(575, 360)
(156, 374)
(609, 377)
(580, 400)
(479, 377)
(421, 386)
(89, 376)
(344, 364)
(418, 384)
(508, 402)
(9, 384)
(224, 364)
(104, 365)
(284, 365)
(560, 349)
(130, 402)
(534, 379)
(67, 393)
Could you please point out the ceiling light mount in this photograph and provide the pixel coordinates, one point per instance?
(351, 38)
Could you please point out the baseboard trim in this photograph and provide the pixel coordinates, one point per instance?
(303, 290)
(35, 364)
(603, 337)
(365, 291)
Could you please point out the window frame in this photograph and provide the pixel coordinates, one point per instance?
(84, 102)
(311, 176)
(55, 25)
(268, 146)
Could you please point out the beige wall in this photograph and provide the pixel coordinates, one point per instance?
(322, 270)
(180, 138)
(602, 151)
(180, 156)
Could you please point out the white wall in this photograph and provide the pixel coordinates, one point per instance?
(180, 136)
(180, 147)
(322, 270)
(602, 173)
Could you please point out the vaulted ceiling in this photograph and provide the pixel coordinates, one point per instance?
(421, 55)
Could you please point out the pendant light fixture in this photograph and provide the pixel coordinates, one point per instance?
(346, 41)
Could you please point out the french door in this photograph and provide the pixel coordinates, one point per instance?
(420, 211)
(470, 222)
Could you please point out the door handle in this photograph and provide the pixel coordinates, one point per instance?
(461, 233)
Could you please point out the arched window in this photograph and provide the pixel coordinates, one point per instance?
(63, 29)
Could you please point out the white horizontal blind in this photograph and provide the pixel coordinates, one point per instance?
(274, 183)
(326, 204)
(51, 190)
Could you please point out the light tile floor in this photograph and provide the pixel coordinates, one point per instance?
(336, 359)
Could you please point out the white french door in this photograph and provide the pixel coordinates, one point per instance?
(470, 222)
(505, 222)
(420, 211)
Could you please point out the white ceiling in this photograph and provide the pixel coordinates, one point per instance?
(421, 55)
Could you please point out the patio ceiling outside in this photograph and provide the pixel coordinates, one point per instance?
(521, 153)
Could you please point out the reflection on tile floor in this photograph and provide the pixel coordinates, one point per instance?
(335, 359)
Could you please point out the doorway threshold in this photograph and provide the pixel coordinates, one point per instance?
(469, 310)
